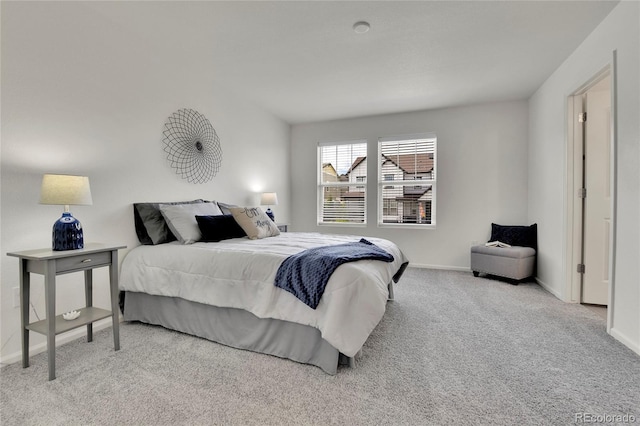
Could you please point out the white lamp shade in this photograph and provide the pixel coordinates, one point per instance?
(65, 190)
(269, 199)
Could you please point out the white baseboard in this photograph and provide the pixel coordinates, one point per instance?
(548, 288)
(634, 346)
(446, 268)
(60, 340)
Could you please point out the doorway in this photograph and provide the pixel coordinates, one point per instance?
(590, 191)
(596, 232)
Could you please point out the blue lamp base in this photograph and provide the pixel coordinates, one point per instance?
(269, 213)
(67, 233)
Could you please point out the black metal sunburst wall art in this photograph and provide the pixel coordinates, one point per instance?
(192, 146)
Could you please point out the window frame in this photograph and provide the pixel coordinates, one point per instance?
(418, 181)
(361, 185)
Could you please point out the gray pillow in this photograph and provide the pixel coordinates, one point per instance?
(181, 219)
(151, 228)
(224, 207)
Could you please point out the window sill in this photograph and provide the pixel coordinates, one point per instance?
(343, 225)
(406, 226)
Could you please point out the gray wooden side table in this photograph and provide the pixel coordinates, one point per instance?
(50, 264)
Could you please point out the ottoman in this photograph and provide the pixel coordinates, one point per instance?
(513, 262)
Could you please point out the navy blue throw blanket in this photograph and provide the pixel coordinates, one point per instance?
(305, 275)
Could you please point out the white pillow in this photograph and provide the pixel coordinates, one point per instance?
(254, 222)
(181, 219)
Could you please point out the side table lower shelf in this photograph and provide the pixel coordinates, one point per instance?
(87, 317)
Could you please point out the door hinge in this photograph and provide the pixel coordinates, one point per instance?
(582, 193)
(582, 117)
(581, 268)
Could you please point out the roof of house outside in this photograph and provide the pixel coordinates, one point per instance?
(355, 194)
(408, 163)
(412, 163)
(412, 197)
(324, 165)
(355, 164)
(328, 168)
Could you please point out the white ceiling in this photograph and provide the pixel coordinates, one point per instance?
(303, 62)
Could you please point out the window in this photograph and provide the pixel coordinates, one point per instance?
(410, 163)
(387, 178)
(342, 187)
(389, 207)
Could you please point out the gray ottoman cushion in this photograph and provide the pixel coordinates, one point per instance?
(511, 262)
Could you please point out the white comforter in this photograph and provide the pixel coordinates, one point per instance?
(240, 273)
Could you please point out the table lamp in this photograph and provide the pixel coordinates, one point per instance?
(66, 190)
(269, 199)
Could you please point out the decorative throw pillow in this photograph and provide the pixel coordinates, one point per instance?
(181, 219)
(255, 222)
(224, 207)
(151, 228)
(524, 236)
(218, 228)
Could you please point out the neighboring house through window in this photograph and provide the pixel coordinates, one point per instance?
(410, 162)
(341, 166)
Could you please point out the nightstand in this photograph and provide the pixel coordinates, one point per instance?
(50, 264)
(283, 227)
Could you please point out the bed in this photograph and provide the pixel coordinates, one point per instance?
(224, 291)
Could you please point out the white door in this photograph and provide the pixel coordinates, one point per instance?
(597, 207)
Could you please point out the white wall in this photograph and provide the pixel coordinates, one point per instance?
(482, 176)
(547, 162)
(83, 96)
